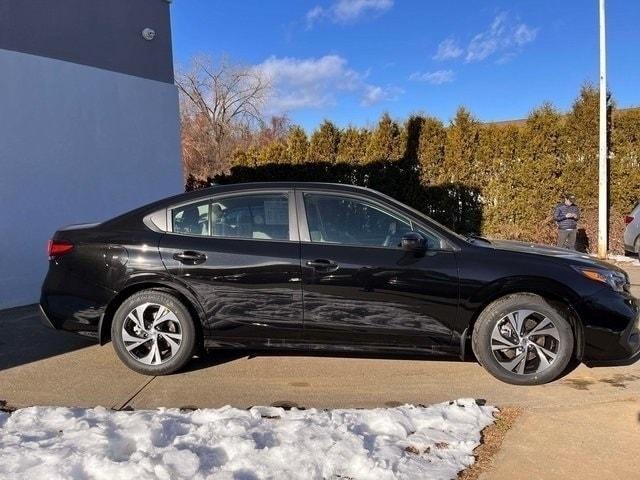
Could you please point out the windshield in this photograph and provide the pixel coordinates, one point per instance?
(429, 220)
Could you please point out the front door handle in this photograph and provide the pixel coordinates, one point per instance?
(322, 264)
(190, 257)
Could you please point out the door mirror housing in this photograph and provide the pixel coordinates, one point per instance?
(413, 242)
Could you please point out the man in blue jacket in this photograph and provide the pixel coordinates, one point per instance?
(566, 216)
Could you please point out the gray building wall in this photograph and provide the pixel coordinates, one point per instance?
(101, 33)
(79, 143)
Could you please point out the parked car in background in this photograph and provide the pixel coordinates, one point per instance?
(632, 231)
(327, 267)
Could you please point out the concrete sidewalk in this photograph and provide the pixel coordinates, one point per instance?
(596, 441)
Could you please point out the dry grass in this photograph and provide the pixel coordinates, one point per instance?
(490, 444)
(6, 408)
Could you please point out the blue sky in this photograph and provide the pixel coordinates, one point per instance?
(351, 60)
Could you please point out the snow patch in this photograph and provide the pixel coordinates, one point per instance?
(407, 442)
(632, 261)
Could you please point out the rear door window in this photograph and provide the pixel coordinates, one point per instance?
(192, 219)
(258, 216)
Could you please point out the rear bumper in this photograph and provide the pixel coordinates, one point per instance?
(70, 303)
(629, 238)
(44, 319)
(71, 314)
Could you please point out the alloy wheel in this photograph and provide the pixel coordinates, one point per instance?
(152, 333)
(525, 342)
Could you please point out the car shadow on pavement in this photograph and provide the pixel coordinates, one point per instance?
(213, 358)
(216, 357)
(25, 339)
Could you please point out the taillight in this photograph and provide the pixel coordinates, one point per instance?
(628, 219)
(57, 248)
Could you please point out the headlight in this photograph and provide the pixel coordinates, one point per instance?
(616, 280)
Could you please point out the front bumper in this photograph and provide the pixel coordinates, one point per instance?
(623, 362)
(611, 323)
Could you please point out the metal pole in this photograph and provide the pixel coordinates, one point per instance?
(603, 177)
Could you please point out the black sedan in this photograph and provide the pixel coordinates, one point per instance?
(325, 267)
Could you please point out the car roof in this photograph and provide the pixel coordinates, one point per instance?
(232, 187)
(291, 184)
(194, 195)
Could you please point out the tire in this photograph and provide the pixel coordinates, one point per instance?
(549, 349)
(174, 337)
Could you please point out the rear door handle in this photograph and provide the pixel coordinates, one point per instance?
(322, 264)
(190, 257)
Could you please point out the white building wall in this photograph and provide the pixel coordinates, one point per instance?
(77, 144)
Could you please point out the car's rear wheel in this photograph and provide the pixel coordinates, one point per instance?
(153, 333)
(523, 340)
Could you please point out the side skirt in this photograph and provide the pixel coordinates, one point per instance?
(319, 348)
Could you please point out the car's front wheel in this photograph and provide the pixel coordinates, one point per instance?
(153, 333)
(523, 340)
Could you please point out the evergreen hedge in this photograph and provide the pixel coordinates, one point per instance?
(499, 180)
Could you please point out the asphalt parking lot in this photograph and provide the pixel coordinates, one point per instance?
(39, 366)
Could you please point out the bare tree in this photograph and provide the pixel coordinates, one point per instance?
(275, 128)
(220, 103)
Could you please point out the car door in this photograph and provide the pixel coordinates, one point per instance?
(361, 288)
(240, 254)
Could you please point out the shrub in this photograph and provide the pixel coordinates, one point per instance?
(501, 180)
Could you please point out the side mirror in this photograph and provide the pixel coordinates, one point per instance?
(413, 242)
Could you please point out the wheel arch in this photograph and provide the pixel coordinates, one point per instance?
(559, 295)
(181, 292)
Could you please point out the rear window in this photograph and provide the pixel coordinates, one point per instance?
(255, 216)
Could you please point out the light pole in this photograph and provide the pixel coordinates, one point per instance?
(603, 177)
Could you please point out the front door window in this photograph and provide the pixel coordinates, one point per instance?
(351, 221)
